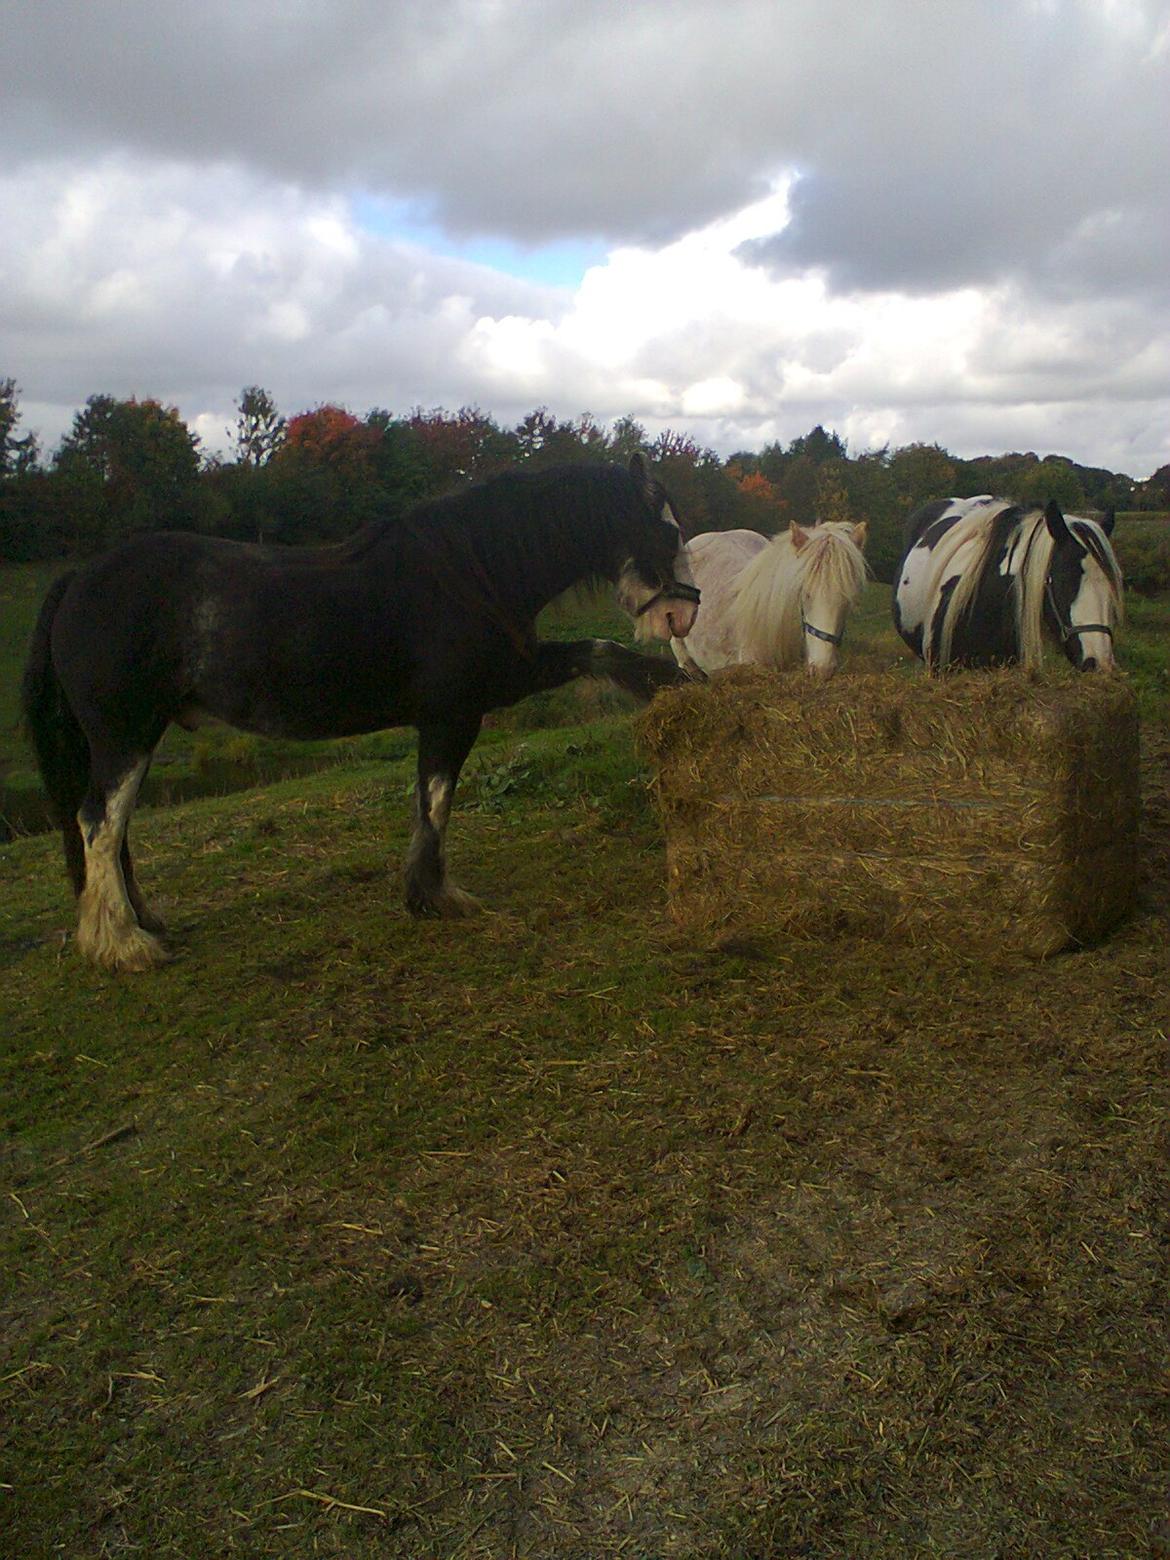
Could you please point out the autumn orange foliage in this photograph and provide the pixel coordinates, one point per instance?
(332, 436)
(766, 509)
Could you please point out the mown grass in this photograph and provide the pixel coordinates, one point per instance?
(546, 1234)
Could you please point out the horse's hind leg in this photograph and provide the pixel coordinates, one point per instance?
(109, 930)
(441, 754)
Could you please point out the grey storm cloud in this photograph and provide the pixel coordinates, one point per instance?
(937, 144)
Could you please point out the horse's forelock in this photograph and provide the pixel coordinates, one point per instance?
(1095, 539)
(831, 556)
(767, 604)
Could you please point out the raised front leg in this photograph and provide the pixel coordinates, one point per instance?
(642, 675)
(442, 750)
(687, 661)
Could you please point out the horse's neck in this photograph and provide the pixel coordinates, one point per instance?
(539, 556)
(767, 605)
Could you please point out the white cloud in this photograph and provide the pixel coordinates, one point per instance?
(908, 222)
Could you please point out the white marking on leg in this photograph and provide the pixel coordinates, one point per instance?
(107, 930)
(439, 802)
(433, 812)
(451, 900)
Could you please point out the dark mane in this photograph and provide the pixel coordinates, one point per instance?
(529, 527)
(520, 523)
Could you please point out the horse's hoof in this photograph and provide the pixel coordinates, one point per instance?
(458, 902)
(134, 952)
(448, 902)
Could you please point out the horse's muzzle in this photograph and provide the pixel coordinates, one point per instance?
(681, 617)
(674, 607)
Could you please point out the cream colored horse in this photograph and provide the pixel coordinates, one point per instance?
(774, 603)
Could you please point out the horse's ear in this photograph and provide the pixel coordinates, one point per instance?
(1108, 520)
(799, 535)
(859, 533)
(1056, 523)
(639, 473)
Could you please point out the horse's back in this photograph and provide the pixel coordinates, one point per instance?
(298, 642)
(717, 559)
(929, 523)
(729, 544)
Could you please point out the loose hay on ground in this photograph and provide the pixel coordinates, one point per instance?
(997, 806)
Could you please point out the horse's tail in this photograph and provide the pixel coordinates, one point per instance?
(59, 743)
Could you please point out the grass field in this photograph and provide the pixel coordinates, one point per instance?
(547, 1234)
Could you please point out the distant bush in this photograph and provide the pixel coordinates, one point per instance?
(1144, 557)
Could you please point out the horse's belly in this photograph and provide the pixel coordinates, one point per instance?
(304, 708)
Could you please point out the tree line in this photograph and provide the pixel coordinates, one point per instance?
(131, 465)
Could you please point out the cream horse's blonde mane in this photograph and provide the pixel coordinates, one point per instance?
(1034, 545)
(766, 611)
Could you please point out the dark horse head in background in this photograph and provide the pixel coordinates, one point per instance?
(427, 621)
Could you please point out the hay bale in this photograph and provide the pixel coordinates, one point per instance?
(995, 807)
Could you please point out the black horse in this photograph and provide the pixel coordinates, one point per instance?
(425, 621)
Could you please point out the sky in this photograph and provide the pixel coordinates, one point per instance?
(908, 220)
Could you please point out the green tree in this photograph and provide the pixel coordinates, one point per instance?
(1154, 492)
(818, 446)
(17, 455)
(399, 470)
(542, 440)
(128, 466)
(1050, 478)
(29, 513)
(259, 427)
(920, 472)
(772, 462)
(627, 437)
(797, 482)
(833, 502)
(873, 497)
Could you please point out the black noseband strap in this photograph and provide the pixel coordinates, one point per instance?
(1069, 631)
(819, 633)
(676, 592)
(1074, 629)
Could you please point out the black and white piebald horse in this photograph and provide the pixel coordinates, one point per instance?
(983, 582)
(426, 621)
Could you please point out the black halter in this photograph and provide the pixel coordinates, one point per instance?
(675, 591)
(819, 633)
(1071, 630)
